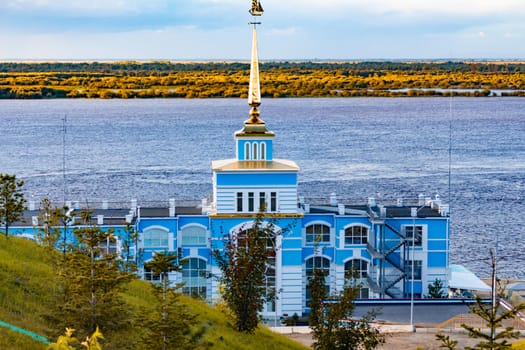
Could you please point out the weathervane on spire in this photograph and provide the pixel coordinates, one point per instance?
(256, 9)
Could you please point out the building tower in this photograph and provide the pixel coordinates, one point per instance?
(254, 181)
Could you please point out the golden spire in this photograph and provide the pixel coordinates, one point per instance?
(254, 91)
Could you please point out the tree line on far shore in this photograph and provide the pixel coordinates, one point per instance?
(160, 79)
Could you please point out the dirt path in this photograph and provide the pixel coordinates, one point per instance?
(423, 338)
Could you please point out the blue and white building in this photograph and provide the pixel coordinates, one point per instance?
(396, 250)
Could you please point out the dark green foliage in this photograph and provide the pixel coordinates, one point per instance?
(436, 290)
(129, 239)
(446, 342)
(365, 68)
(333, 326)
(171, 326)
(12, 201)
(91, 282)
(497, 335)
(244, 262)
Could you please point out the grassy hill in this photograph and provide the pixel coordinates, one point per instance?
(26, 287)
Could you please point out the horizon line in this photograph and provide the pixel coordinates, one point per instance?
(244, 60)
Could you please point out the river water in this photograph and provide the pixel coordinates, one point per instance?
(389, 148)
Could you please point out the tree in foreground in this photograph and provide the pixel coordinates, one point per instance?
(12, 201)
(91, 283)
(493, 315)
(436, 289)
(494, 336)
(170, 327)
(244, 262)
(333, 326)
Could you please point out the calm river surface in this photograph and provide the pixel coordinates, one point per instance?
(357, 147)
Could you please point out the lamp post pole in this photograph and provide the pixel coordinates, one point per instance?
(413, 213)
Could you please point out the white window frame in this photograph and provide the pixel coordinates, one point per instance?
(352, 226)
(158, 229)
(201, 228)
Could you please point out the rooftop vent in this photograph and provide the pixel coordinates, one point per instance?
(341, 208)
(172, 207)
(333, 199)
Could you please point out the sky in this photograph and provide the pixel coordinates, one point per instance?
(290, 29)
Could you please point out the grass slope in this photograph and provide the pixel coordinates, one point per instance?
(26, 286)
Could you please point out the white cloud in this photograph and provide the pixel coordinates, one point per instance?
(186, 29)
(100, 7)
(284, 31)
(403, 7)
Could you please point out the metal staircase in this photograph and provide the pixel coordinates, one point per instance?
(389, 269)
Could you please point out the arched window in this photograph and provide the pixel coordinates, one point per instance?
(356, 269)
(356, 235)
(194, 276)
(317, 233)
(255, 153)
(247, 151)
(356, 273)
(263, 150)
(194, 235)
(155, 238)
(316, 263)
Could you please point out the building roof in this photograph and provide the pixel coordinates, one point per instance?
(516, 287)
(254, 165)
(463, 278)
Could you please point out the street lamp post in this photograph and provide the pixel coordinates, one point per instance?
(413, 213)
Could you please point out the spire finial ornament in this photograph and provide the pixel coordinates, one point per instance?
(256, 9)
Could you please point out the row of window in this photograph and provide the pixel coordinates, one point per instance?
(320, 233)
(195, 274)
(255, 151)
(315, 233)
(256, 201)
(156, 238)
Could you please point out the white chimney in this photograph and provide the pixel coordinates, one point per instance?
(307, 208)
(333, 199)
(171, 207)
(421, 199)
